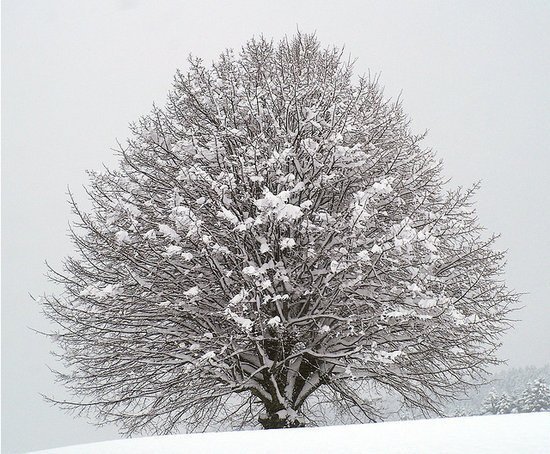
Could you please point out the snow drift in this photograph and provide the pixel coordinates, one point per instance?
(518, 433)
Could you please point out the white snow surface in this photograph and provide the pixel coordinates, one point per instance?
(504, 434)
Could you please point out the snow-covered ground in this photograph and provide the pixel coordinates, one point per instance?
(525, 434)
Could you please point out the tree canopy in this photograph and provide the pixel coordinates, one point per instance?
(275, 237)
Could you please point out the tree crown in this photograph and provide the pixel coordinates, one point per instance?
(274, 237)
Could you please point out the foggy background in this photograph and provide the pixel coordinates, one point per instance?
(75, 73)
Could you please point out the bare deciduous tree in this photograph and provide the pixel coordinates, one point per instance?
(273, 238)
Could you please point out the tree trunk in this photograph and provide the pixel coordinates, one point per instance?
(279, 420)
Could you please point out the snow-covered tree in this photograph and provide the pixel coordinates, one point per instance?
(495, 404)
(506, 404)
(506, 385)
(490, 405)
(536, 397)
(273, 238)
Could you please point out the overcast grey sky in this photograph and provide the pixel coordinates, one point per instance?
(75, 73)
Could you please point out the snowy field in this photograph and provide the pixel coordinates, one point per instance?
(525, 434)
